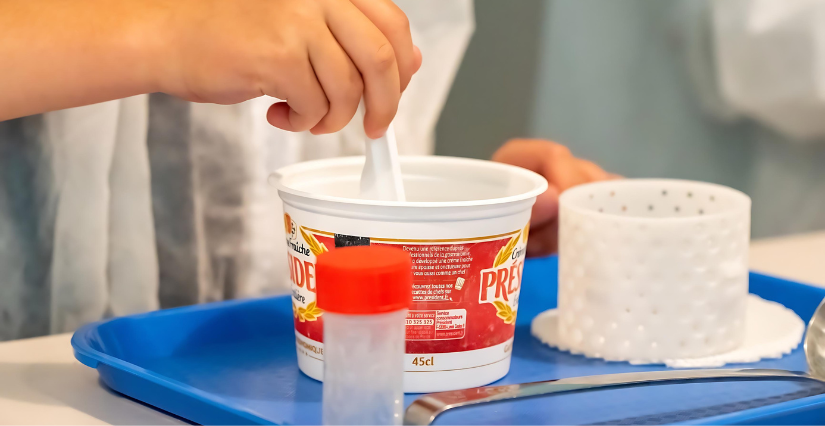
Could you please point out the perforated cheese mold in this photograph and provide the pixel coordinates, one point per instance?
(652, 269)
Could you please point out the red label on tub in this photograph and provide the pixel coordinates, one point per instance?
(465, 292)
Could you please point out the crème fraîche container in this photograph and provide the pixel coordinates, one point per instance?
(465, 225)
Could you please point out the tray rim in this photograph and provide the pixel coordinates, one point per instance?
(91, 357)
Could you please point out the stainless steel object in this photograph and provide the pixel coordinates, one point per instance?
(424, 410)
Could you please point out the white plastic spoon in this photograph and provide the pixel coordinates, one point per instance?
(381, 177)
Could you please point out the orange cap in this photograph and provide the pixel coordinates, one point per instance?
(363, 280)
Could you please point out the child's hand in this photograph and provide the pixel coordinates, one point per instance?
(321, 56)
(562, 170)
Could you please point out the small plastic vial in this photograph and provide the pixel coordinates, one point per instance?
(365, 292)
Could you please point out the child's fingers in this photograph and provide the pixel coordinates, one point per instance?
(546, 208)
(531, 155)
(543, 239)
(522, 153)
(592, 171)
(392, 21)
(374, 57)
(339, 79)
(562, 171)
(306, 103)
(418, 58)
(561, 168)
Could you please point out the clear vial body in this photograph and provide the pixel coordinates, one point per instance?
(364, 368)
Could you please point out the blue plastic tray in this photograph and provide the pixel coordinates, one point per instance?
(235, 363)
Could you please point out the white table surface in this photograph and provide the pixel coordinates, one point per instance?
(41, 383)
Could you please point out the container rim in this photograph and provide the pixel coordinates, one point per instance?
(539, 184)
(743, 200)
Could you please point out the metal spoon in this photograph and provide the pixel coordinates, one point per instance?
(424, 410)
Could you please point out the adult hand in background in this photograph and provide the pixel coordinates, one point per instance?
(562, 170)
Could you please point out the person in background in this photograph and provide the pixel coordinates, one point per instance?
(115, 201)
(723, 91)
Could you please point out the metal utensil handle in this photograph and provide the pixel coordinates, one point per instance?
(424, 410)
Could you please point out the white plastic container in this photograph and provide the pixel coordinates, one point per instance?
(465, 226)
(365, 381)
(365, 293)
(652, 269)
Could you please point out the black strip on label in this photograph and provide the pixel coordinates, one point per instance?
(350, 240)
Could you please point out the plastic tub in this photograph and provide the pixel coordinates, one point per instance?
(465, 226)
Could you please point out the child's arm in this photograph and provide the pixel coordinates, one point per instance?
(321, 56)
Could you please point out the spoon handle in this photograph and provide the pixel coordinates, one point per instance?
(381, 177)
(425, 409)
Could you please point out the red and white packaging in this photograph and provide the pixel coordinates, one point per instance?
(465, 227)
